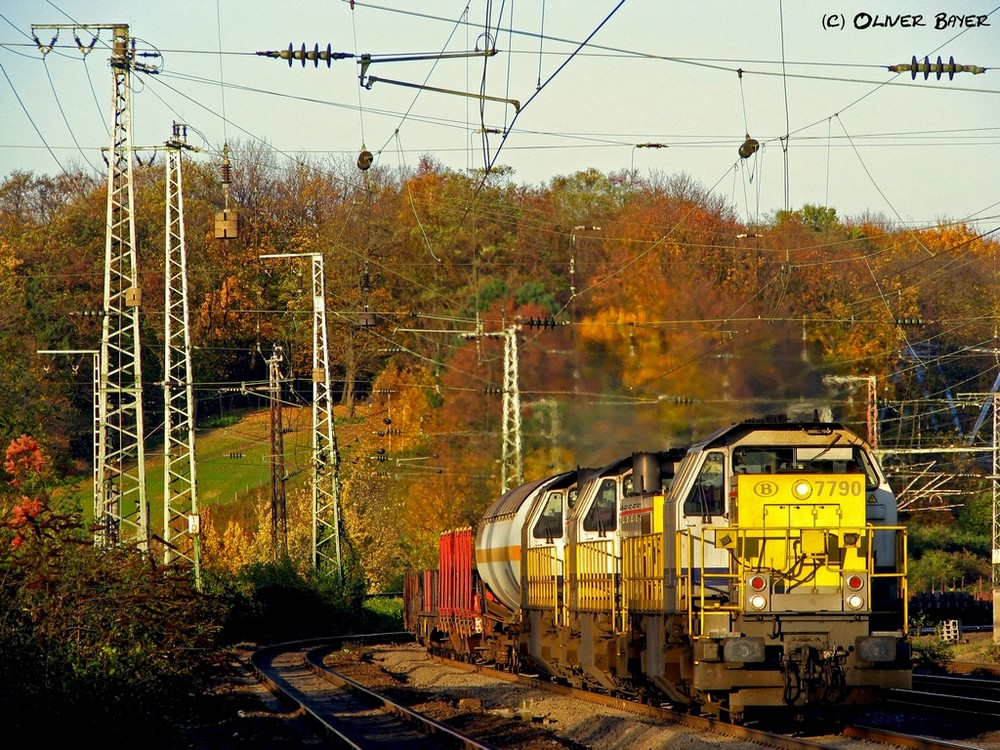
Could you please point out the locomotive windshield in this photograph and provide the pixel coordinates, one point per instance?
(831, 459)
(707, 494)
(706, 497)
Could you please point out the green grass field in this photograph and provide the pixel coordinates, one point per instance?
(233, 465)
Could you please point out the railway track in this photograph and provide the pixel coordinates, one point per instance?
(974, 668)
(354, 715)
(347, 713)
(760, 737)
(952, 695)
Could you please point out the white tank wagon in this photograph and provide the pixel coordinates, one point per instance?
(498, 539)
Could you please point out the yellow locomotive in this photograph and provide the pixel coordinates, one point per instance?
(761, 567)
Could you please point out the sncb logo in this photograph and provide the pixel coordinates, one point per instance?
(766, 489)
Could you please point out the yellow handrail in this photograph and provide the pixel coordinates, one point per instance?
(773, 549)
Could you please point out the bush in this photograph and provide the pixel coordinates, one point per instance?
(383, 614)
(100, 643)
(274, 602)
(931, 653)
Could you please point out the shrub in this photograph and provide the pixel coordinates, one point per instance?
(93, 640)
(931, 653)
(98, 643)
(275, 601)
(383, 614)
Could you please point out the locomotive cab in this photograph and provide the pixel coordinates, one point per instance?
(619, 502)
(786, 593)
(543, 575)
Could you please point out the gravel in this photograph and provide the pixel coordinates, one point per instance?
(511, 715)
(240, 714)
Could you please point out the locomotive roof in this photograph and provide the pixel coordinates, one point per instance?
(625, 463)
(732, 433)
(511, 501)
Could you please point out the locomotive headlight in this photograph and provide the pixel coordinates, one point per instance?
(854, 591)
(758, 586)
(802, 489)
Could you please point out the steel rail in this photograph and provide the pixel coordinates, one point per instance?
(315, 660)
(354, 717)
(971, 667)
(645, 709)
(262, 664)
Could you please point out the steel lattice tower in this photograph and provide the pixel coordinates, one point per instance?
(511, 465)
(121, 502)
(511, 468)
(279, 501)
(181, 525)
(326, 458)
(995, 490)
(121, 509)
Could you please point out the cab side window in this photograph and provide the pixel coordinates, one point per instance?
(707, 495)
(550, 522)
(603, 515)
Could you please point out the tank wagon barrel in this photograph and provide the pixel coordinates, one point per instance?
(762, 567)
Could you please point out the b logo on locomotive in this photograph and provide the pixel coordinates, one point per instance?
(765, 489)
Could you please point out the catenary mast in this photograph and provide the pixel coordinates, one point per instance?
(122, 498)
(326, 548)
(181, 524)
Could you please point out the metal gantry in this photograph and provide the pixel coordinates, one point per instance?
(511, 464)
(181, 520)
(995, 525)
(995, 498)
(96, 410)
(326, 548)
(871, 401)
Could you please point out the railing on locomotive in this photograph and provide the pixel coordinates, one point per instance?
(702, 591)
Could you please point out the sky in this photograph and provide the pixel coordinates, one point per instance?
(809, 82)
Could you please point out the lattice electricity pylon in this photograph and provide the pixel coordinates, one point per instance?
(279, 502)
(512, 468)
(995, 490)
(511, 465)
(181, 523)
(123, 503)
(326, 458)
(120, 503)
(871, 401)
